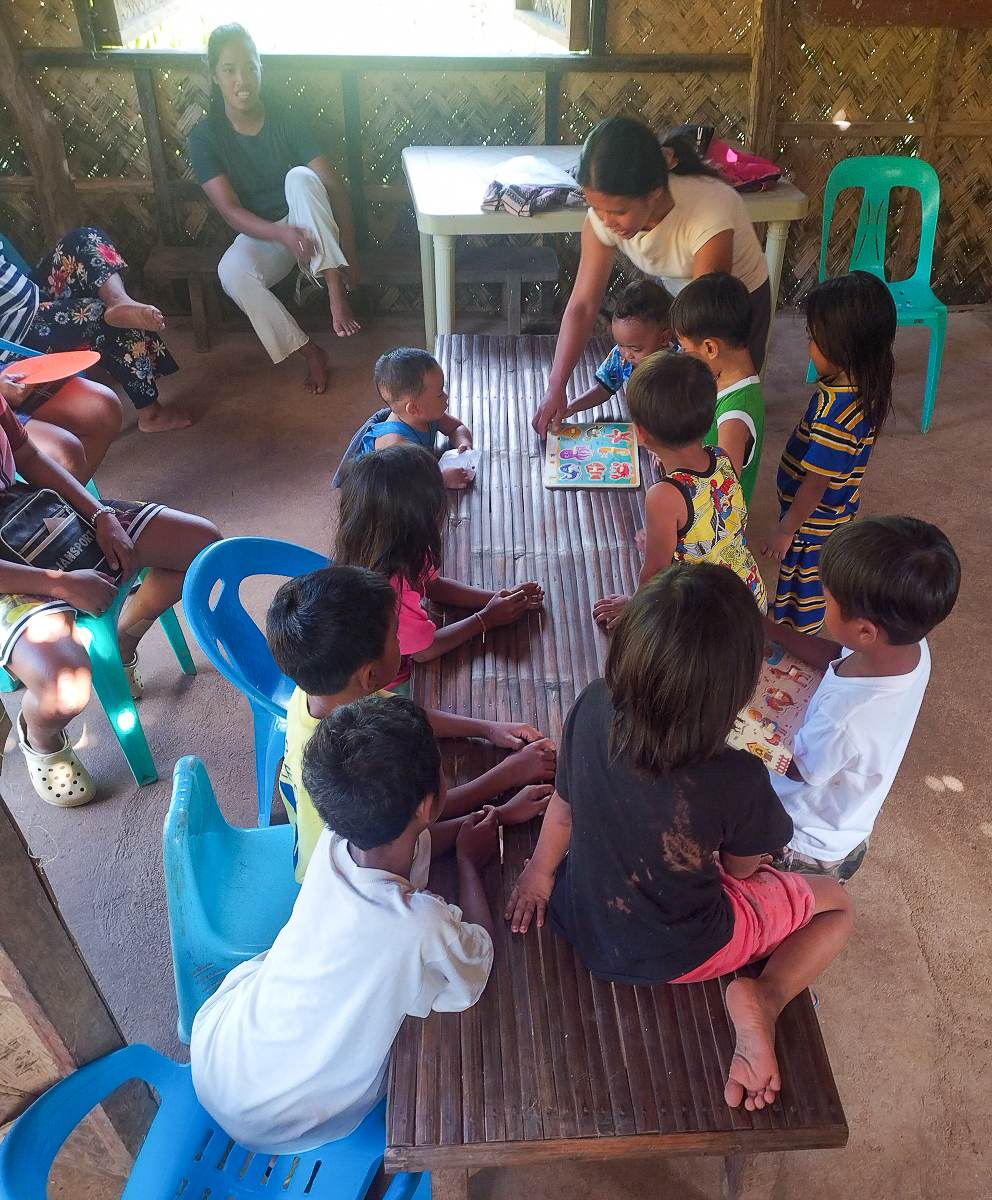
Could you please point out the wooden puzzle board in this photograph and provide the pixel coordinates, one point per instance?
(768, 725)
(602, 454)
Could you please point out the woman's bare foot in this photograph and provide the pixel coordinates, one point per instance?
(153, 418)
(753, 1076)
(342, 318)
(134, 316)
(316, 356)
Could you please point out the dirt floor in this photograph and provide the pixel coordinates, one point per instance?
(904, 1010)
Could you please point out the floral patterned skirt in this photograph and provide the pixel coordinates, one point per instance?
(70, 316)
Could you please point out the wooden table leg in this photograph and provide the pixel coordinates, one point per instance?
(732, 1171)
(449, 1185)
(430, 294)
(444, 280)
(775, 239)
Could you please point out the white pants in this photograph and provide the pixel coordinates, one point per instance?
(251, 266)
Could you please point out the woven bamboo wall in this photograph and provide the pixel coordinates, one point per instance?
(904, 91)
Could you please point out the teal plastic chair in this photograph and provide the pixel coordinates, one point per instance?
(915, 302)
(235, 645)
(186, 1153)
(229, 891)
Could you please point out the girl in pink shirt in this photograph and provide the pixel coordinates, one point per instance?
(394, 506)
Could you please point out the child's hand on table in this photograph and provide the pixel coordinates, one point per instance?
(511, 735)
(509, 605)
(456, 478)
(11, 388)
(535, 763)
(528, 803)
(478, 837)
(529, 898)
(606, 610)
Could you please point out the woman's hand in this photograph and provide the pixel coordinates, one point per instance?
(116, 545)
(529, 898)
(89, 591)
(553, 410)
(299, 242)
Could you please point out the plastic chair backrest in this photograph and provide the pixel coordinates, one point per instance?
(228, 636)
(229, 891)
(878, 175)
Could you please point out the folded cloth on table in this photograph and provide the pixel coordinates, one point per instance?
(524, 200)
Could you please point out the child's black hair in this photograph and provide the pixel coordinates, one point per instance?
(325, 626)
(852, 320)
(900, 573)
(643, 300)
(684, 659)
(673, 398)
(717, 305)
(369, 766)
(402, 372)
(393, 507)
(684, 145)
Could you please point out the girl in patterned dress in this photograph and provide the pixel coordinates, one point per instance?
(697, 512)
(851, 323)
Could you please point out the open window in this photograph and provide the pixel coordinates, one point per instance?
(564, 21)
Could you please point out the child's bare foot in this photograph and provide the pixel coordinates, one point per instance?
(342, 318)
(134, 316)
(153, 418)
(316, 356)
(753, 1075)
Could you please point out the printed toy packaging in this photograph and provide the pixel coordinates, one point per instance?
(600, 455)
(768, 724)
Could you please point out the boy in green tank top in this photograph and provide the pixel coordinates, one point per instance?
(712, 320)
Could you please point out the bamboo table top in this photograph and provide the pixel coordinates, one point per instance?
(553, 1063)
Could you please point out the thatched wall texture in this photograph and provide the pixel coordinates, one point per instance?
(813, 95)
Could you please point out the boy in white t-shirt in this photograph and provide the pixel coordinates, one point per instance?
(292, 1050)
(887, 582)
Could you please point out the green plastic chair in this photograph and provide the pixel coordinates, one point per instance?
(915, 302)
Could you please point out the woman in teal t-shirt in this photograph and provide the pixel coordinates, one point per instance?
(266, 173)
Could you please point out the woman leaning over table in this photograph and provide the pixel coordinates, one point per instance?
(265, 171)
(675, 219)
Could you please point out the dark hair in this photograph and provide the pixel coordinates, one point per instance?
(325, 626)
(852, 319)
(717, 305)
(622, 157)
(685, 658)
(643, 300)
(688, 144)
(673, 398)
(216, 42)
(900, 573)
(369, 766)
(393, 505)
(402, 372)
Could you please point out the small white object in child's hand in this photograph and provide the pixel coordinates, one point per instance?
(468, 460)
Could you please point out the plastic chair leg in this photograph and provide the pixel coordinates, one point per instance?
(270, 744)
(811, 373)
(7, 682)
(938, 331)
(111, 687)
(177, 640)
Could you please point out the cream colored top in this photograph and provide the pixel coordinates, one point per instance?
(704, 207)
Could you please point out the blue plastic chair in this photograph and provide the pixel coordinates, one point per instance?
(229, 891)
(14, 256)
(915, 302)
(236, 646)
(186, 1153)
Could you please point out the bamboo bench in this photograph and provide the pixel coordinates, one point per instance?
(553, 1064)
(507, 265)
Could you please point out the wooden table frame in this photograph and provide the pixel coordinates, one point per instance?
(552, 1064)
(447, 184)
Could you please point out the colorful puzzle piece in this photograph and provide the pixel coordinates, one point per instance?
(612, 441)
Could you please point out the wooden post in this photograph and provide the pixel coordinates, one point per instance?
(351, 103)
(144, 85)
(763, 112)
(40, 137)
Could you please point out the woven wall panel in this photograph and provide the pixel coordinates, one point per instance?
(965, 92)
(679, 26)
(182, 101)
(98, 113)
(445, 109)
(50, 24)
(12, 159)
(963, 256)
(659, 100)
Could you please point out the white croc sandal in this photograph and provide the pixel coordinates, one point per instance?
(134, 679)
(59, 778)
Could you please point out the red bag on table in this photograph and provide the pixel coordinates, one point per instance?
(743, 171)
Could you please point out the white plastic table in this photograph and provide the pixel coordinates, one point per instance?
(447, 184)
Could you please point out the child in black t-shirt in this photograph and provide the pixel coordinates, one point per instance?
(669, 832)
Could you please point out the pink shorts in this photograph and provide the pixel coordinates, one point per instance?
(768, 906)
